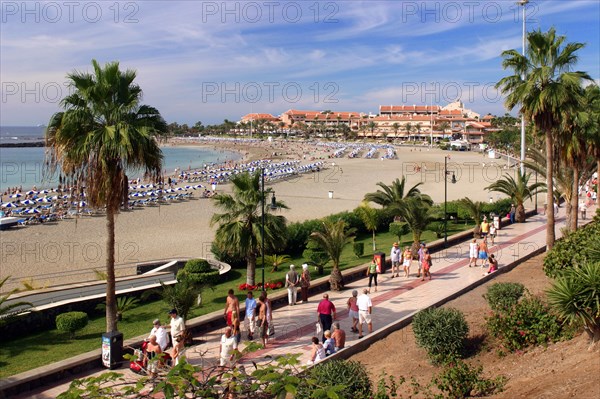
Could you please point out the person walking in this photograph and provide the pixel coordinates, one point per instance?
(177, 326)
(228, 348)
(269, 314)
(353, 311)
(483, 252)
(485, 228)
(395, 256)
(473, 253)
(339, 336)
(365, 308)
(372, 273)
(249, 320)
(493, 233)
(512, 213)
(407, 260)
(325, 314)
(421, 254)
(232, 304)
(426, 264)
(261, 320)
(304, 282)
(291, 282)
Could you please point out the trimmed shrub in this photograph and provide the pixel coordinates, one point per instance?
(198, 272)
(441, 332)
(437, 228)
(573, 250)
(503, 296)
(197, 266)
(359, 249)
(71, 321)
(348, 378)
(529, 322)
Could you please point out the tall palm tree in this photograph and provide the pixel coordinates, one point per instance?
(416, 212)
(592, 100)
(372, 125)
(370, 218)
(409, 128)
(546, 87)
(332, 240)
(104, 132)
(396, 127)
(240, 225)
(418, 128)
(444, 126)
(393, 195)
(518, 190)
(475, 209)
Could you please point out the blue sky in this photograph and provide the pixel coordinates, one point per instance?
(211, 60)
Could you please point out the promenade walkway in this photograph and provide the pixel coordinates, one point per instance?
(396, 299)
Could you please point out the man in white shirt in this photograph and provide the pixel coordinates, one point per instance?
(177, 325)
(291, 282)
(365, 308)
(227, 348)
(161, 335)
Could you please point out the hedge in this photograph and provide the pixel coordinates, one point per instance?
(573, 250)
(71, 322)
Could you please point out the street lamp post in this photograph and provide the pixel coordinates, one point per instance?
(445, 201)
(523, 3)
(262, 227)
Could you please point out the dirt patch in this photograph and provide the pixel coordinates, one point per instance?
(561, 370)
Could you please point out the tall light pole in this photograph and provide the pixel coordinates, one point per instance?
(445, 201)
(431, 121)
(523, 3)
(262, 226)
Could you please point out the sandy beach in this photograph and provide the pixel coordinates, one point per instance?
(70, 250)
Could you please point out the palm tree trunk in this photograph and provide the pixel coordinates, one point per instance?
(550, 234)
(520, 214)
(251, 268)
(111, 299)
(374, 246)
(336, 281)
(574, 200)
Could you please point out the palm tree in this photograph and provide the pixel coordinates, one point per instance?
(592, 99)
(418, 128)
(104, 132)
(518, 190)
(443, 127)
(416, 212)
(574, 295)
(409, 128)
(332, 241)
(6, 311)
(371, 126)
(240, 228)
(475, 209)
(546, 87)
(276, 261)
(394, 195)
(396, 127)
(369, 217)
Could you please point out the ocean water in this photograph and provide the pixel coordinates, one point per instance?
(25, 166)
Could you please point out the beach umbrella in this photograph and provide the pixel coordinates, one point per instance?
(82, 203)
(179, 189)
(27, 202)
(32, 210)
(43, 192)
(17, 195)
(31, 192)
(188, 187)
(8, 205)
(138, 194)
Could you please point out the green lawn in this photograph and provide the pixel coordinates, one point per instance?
(47, 347)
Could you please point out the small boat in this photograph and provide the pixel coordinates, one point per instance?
(8, 222)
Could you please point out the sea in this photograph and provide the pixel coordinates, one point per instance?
(24, 166)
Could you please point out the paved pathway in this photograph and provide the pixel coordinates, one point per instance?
(395, 299)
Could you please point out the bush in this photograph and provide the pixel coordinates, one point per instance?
(459, 380)
(297, 235)
(528, 322)
(573, 250)
(437, 228)
(441, 332)
(197, 266)
(503, 296)
(359, 249)
(198, 272)
(350, 379)
(71, 321)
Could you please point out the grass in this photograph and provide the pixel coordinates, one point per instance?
(42, 348)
